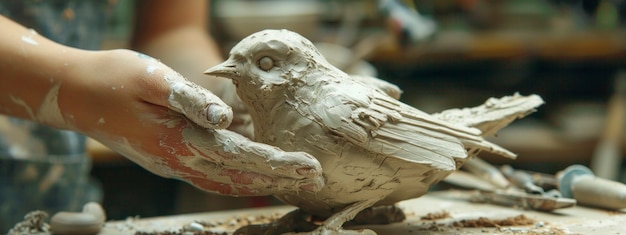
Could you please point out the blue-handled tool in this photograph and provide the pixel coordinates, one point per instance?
(579, 182)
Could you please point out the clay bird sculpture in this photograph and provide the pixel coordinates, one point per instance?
(374, 149)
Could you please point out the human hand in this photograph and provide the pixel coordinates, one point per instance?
(142, 109)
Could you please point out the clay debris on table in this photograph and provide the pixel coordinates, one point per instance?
(482, 222)
(219, 227)
(33, 224)
(436, 215)
(512, 225)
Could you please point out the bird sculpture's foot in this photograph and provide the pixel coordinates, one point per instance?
(298, 222)
(373, 215)
(378, 215)
(333, 225)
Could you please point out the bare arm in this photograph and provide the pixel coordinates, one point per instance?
(18, 47)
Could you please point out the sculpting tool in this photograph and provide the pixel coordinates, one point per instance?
(489, 193)
(487, 172)
(521, 179)
(523, 200)
(543, 180)
(580, 183)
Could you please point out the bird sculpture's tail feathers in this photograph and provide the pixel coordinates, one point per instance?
(492, 116)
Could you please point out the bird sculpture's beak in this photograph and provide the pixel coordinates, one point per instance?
(227, 69)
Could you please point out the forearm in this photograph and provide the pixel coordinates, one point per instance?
(32, 71)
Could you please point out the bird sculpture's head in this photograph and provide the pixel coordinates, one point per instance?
(267, 62)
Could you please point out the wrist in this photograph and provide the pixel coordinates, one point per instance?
(90, 86)
(56, 79)
(33, 69)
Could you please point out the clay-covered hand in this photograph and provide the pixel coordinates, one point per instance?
(144, 110)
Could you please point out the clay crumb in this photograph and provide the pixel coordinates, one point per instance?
(33, 223)
(436, 215)
(435, 227)
(482, 222)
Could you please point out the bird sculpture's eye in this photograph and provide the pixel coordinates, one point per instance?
(266, 63)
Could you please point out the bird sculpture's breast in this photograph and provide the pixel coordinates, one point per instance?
(352, 173)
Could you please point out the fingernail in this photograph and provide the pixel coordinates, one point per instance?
(315, 186)
(306, 171)
(310, 187)
(219, 116)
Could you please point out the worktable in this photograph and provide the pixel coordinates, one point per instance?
(451, 205)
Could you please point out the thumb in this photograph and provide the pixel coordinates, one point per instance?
(198, 104)
(190, 99)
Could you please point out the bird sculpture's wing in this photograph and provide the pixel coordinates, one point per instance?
(372, 120)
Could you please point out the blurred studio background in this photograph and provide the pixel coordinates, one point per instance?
(443, 54)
